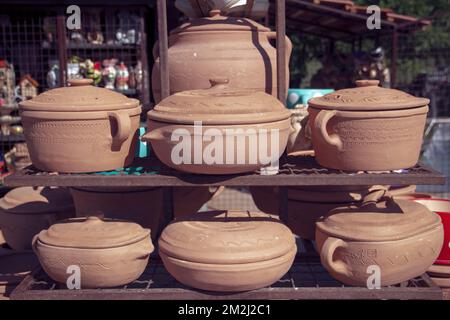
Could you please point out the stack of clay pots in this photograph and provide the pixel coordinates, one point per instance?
(216, 91)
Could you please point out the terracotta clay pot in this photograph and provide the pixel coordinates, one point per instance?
(80, 128)
(108, 252)
(235, 129)
(227, 250)
(217, 46)
(307, 204)
(401, 237)
(442, 208)
(141, 205)
(26, 211)
(367, 128)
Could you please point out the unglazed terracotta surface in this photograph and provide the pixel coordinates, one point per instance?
(141, 205)
(109, 252)
(227, 250)
(26, 211)
(399, 237)
(80, 128)
(221, 109)
(218, 46)
(367, 128)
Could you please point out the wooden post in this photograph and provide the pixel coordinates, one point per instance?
(394, 55)
(281, 49)
(163, 48)
(62, 47)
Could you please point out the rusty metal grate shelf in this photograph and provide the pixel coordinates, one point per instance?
(307, 279)
(294, 171)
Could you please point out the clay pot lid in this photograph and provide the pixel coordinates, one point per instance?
(378, 218)
(367, 96)
(226, 237)
(219, 105)
(36, 200)
(93, 233)
(79, 96)
(218, 22)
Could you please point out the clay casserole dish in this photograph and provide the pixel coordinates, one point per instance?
(227, 250)
(108, 252)
(80, 128)
(367, 128)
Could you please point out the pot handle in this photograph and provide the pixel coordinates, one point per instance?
(326, 255)
(272, 35)
(320, 128)
(34, 243)
(123, 126)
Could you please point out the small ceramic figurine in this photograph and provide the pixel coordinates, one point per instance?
(95, 37)
(122, 77)
(109, 73)
(28, 87)
(53, 75)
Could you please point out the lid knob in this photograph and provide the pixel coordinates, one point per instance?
(218, 81)
(214, 13)
(93, 219)
(80, 82)
(367, 83)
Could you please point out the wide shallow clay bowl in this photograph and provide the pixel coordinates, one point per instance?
(442, 208)
(80, 128)
(219, 46)
(439, 271)
(307, 204)
(441, 282)
(401, 237)
(227, 251)
(367, 128)
(108, 252)
(220, 130)
(26, 211)
(144, 206)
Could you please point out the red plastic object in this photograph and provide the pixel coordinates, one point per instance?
(442, 208)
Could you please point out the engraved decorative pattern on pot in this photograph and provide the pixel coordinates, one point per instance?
(56, 131)
(376, 132)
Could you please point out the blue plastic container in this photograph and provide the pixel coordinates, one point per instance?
(301, 96)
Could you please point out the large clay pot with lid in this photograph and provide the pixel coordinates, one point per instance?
(26, 211)
(218, 46)
(400, 237)
(227, 250)
(108, 252)
(80, 128)
(238, 130)
(367, 128)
